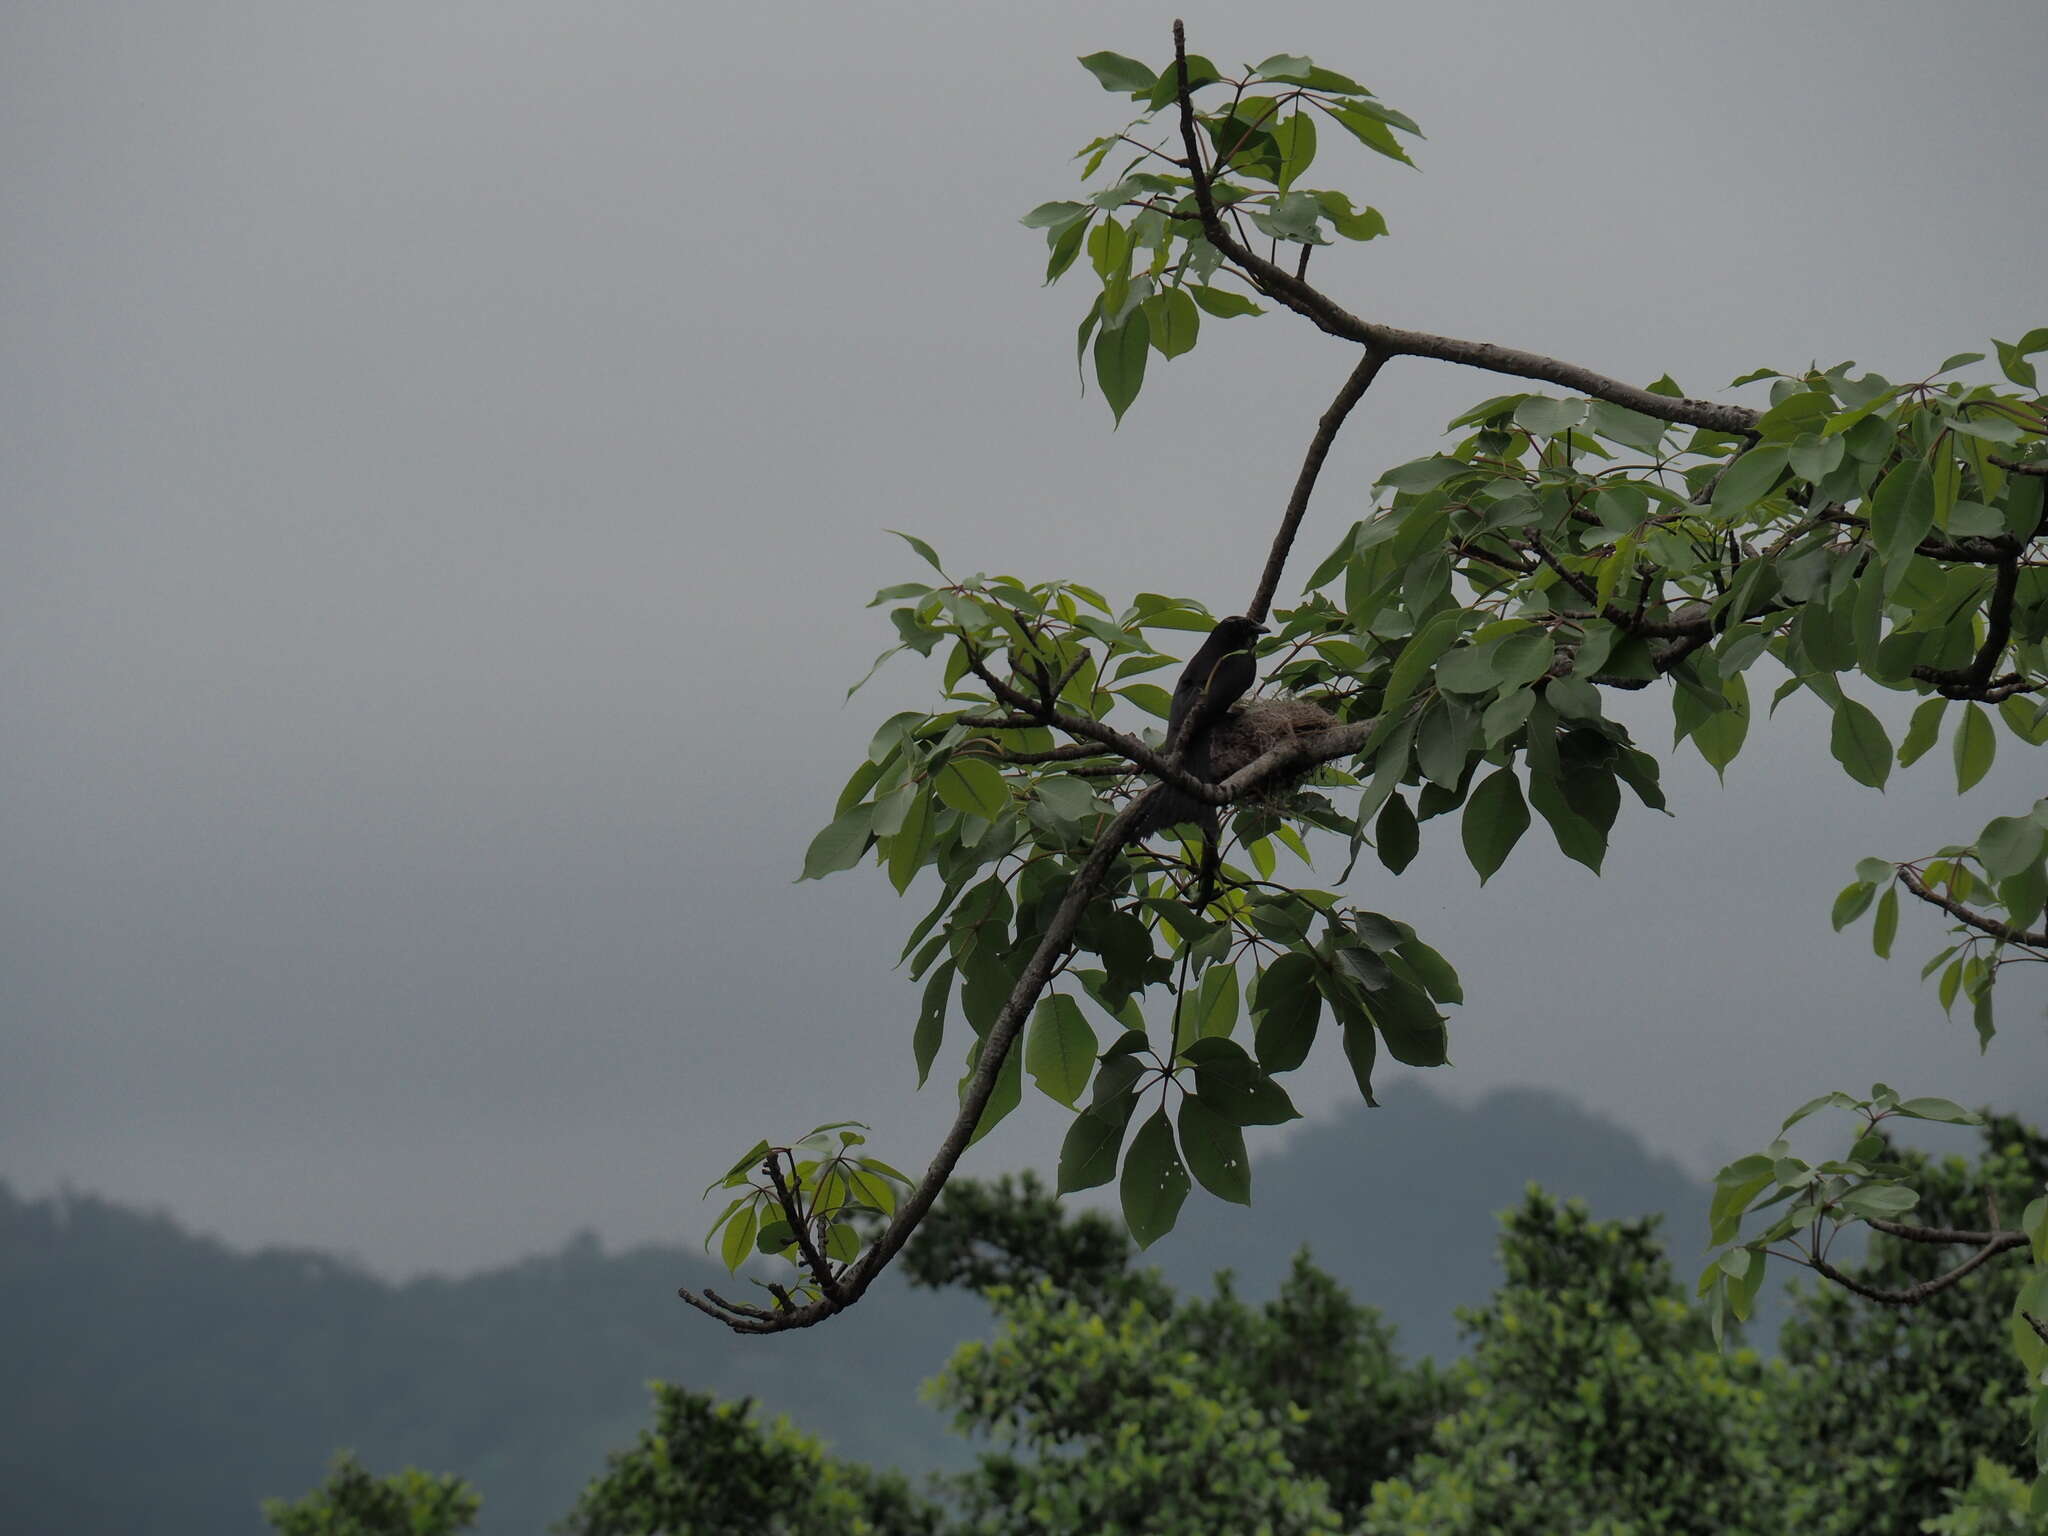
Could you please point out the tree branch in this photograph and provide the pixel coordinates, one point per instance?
(2006, 932)
(1332, 421)
(1973, 681)
(814, 1261)
(1002, 1036)
(1389, 341)
(1913, 1295)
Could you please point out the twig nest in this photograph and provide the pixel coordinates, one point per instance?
(1253, 729)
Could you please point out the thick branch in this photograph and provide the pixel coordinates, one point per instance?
(1973, 681)
(814, 1261)
(1389, 341)
(1332, 421)
(1911, 880)
(1001, 1038)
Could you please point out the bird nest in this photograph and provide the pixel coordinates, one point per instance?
(1253, 729)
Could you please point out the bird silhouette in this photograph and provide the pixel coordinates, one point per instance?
(1216, 677)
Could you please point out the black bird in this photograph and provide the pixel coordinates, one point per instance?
(1216, 677)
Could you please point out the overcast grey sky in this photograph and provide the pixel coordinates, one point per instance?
(443, 457)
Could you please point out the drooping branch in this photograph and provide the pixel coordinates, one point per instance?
(1912, 880)
(1390, 341)
(1000, 1040)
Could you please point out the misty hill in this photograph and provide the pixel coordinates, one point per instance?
(162, 1381)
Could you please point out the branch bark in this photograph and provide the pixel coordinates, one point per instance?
(1912, 1295)
(1910, 878)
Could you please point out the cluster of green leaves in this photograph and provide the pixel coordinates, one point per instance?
(354, 1502)
(1141, 231)
(1817, 1198)
(709, 1466)
(2008, 861)
(979, 795)
(1564, 547)
(833, 1188)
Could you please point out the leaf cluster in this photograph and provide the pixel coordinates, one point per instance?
(1141, 231)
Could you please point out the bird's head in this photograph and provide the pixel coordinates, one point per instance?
(1237, 631)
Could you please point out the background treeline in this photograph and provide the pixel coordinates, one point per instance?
(216, 1379)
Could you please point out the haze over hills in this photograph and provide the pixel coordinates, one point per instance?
(163, 1381)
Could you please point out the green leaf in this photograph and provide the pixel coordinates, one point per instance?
(1007, 1094)
(1286, 1009)
(1734, 1187)
(1215, 1151)
(1886, 928)
(1396, 838)
(1413, 664)
(1088, 1154)
(973, 786)
(1054, 215)
(1366, 123)
(1118, 73)
(1174, 322)
(1059, 1050)
(2012, 356)
(1975, 746)
(1360, 1047)
(2008, 845)
(739, 1238)
(1943, 1110)
(1351, 223)
(1746, 481)
(1885, 1201)
(1154, 1182)
(1719, 737)
(1814, 458)
(1495, 818)
(1922, 731)
(1285, 66)
(1234, 1086)
(1851, 904)
(1216, 1002)
(1120, 361)
(907, 847)
(840, 845)
(931, 1019)
(1296, 136)
(1901, 515)
(1541, 416)
(923, 549)
(1224, 304)
(1433, 971)
(1523, 658)
(1414, 1031)
(1860, 745)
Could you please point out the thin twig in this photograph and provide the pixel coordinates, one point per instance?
(1913, 1295)
(1911, 879)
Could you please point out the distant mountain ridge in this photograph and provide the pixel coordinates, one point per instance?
(160, 1381)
